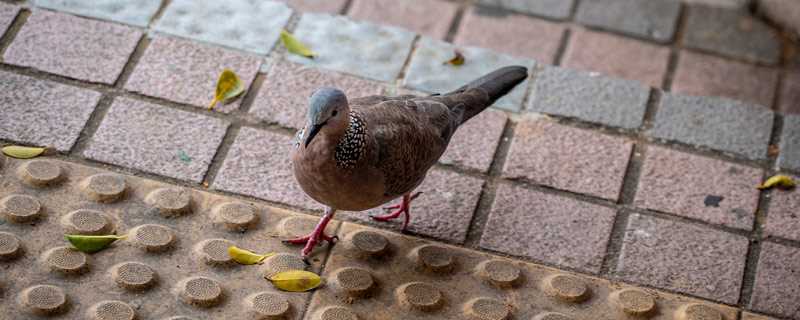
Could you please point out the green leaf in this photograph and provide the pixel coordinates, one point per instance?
(91, 244)
(780, 181)
(243, 256)
(229, 86)
(295, 46)
(21, 152)
(295, 280)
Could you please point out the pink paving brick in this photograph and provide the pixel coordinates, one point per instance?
(777, 287)
(430, 18)
(513, 34)
(616, 56)
(73, 47)
(157, 139)
(683, 257)
(327, 6)
(552, 229)
(7, 14)
(696, 187)
(186, 71)
(704, 75)
(783, 217)
(790, 93)
(567, 158)
(474, 144)
(283, 97)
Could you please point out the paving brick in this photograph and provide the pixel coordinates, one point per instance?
(73, 47)
(683, 257)
(258, 164)
(283, 97)
(558, 9)
(242, 24)
(720, 3)
(783, 219)
(186, 71)
(776, 288)
(43, 113)
(704, 75)
(789, 156)
(616, 56)
(359, 48)
(430, 18)
(731, 32)
(717, 123)
(157, 139)
(566, 158)
(474, 144)
(326, 6)
(548, 228)
(654, 20)
(701, 188)
(7, 14)
(753, 316)
(133, 12)
(790, 93)
(589, 96)
(428, 71)
(501, 30)
(443, 210)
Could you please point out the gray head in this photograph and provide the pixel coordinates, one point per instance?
(327, 106)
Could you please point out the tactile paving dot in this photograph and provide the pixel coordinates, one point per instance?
(171, 202)
(353, 281)
(420, 296)
(40, 173)
(20, 208)
(104, 187)
(551, 316)
(486, 309)
(10, 247)
(335, 313)
(87, 222)
(566, 287)
(133, 275)
(267, 306)
(696, 311)
(633, 301)
(111, 310)
(200, 291)
(367, 243)
(282, 262)
(433, 258)
(153, 237)
(44, 300)
(65, 260)
(499, 273)
(235, 216)
(214, 252)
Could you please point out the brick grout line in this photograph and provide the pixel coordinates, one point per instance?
(13, 29)
(562, 47)
(675, 48)
(456, 23)
(348, 4)
(133, 60)
(159, 13)
(614, 246)
(398, 82)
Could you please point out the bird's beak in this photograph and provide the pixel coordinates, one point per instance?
(313, 132)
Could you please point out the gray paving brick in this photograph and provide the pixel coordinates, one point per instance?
(717, 123)
(359, 48)
(558, 9)
(134, 12)
(242, 24)
(428, 71)
(650, 19)
(731, 32)
(589, 96)
(790, 143)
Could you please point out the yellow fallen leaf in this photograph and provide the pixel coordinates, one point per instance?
(21, 152)
(229, 86)
(90, 244)
(295, 46)
(457, 60)
(780, 181)
(243, 256)
(295, 280)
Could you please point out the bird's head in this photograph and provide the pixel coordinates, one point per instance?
(327, 107)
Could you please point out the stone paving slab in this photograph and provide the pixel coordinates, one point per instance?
(716, 123)
(474, 144)
(431, 18)
(656, 20)
(33, 111)
(185, 71)
(566, 158)
(359, 48)
(133, 12)
(73, 47)
(557, 9)
(783, 218)
(322, 6)
(731, 32)
(790, 94)
(776, 287)
(429, 72)
(753, 316)
(7, 14)
(683, 257)
(589, 96)
(252, 26)
(789, 156)
(156, 139)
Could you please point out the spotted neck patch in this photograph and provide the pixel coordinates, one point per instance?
(353, 144)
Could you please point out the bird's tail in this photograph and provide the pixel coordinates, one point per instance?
(496, 84)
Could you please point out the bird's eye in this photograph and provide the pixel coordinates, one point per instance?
(334, 113)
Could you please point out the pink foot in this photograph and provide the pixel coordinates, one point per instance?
(402, 208)
(316, 237)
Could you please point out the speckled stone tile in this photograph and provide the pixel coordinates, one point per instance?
(777, 287)
(683, 257)
(258, 164)
(249, 25)
(43, 113)
(157, 139)
(359, 48)
(783, 218)
(558, 9)
(589, 97)
(790, 94)
(428, 71)
(325, 6)
(133, 12)
(430, 18)
(552, 229)
(7, 14)
(731, 32)
(500, 30)
(656, 20)
(283, 97)
(789, 156)
(566, 158)
(73, 47)
(753, 316)
(186, 71)
(475, 142)
(692, 186)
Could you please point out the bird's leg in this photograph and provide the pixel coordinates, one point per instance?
(402, 208)
(317, 236)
